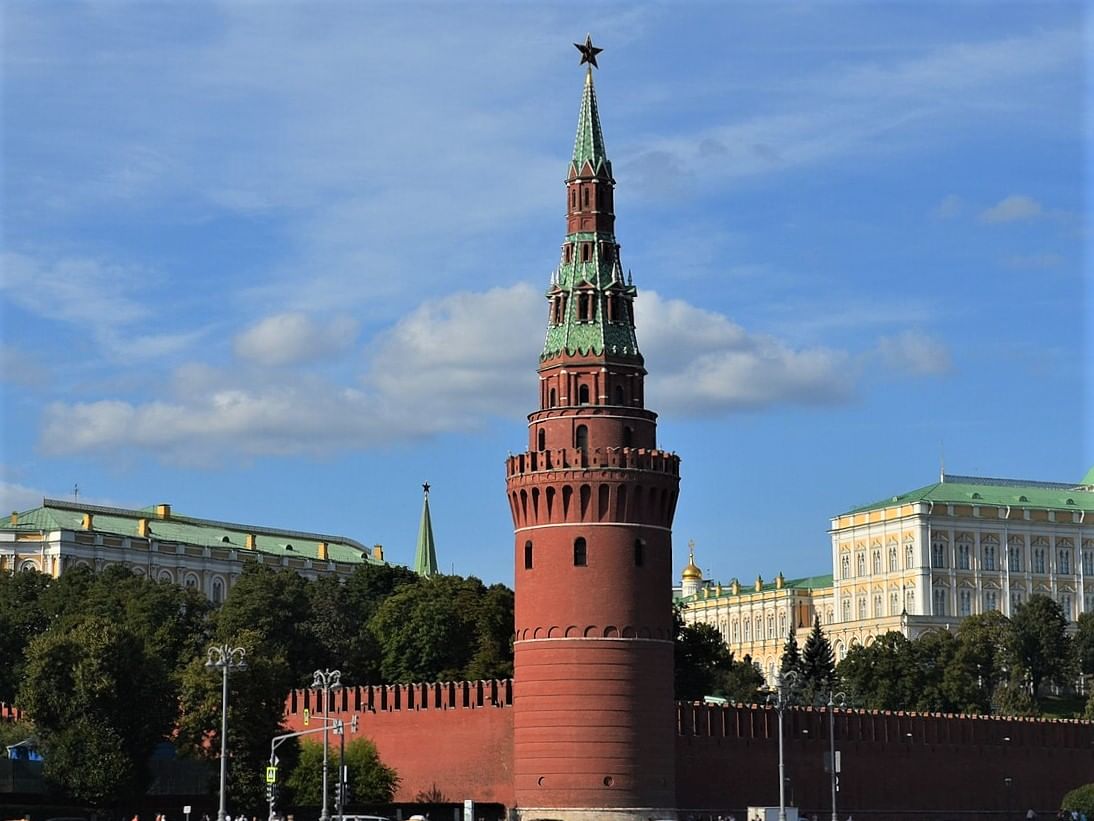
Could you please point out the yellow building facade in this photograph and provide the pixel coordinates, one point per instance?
(919, 561)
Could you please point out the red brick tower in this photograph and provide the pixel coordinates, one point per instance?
(593, 501)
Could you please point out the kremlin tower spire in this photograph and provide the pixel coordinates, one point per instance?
(425, 555)
(592, 500)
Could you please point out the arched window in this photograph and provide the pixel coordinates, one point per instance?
(877, 561)
(619, 394)
(218, 591)
(628, 436)
(581, 437)
(585, 252)
(553, 398)
(583, 395)
(528, 555)
(892, 559)
(639, 552)
(542, 441)
(581, 554)
(585, 196)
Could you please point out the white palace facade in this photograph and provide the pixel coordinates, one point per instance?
(155, 542)
(914, 562)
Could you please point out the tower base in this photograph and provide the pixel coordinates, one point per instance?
(594, 814)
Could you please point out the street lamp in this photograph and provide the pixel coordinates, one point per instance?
(326, 680)
(833, 699)
(227, 659)
(780, 700)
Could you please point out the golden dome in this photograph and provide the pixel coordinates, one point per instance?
(692, 570)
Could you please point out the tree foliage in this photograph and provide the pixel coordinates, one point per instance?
(100, 701)
(370, 780)
(704, 666)
(791, 660)
(1081, 799)
(818, 666)
(1039, 644)
(1084, 643)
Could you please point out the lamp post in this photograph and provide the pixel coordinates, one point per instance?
(227, 659)
(779, 697)
(833, 699)
(326, 680)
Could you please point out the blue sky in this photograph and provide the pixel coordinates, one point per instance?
(279, 263)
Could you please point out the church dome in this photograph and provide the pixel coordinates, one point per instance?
(692, 572)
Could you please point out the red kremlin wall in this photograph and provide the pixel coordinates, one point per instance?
(458, 736)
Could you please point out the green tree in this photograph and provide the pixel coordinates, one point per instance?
(22, 617)
(443, 628)
(370, 780)
(1081, 799)
(742, 683)
(791, 658)
(99, 702)
(274, 607)
(817, 666)
(1084, 643)
(256, 708)
(1039, 644)
(980, 659)
(700, 662)
(882, 676)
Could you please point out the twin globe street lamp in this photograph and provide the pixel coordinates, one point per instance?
(326, 680)
(227, 659)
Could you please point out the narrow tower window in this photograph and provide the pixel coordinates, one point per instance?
(554, 397)
(628, 437)
(619, 394)
(528, 555)
(581, 557)
(583, 395)
(581, 437)
(639, 552)
(584, 196)
(542, 439)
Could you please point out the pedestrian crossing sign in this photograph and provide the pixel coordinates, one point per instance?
(271, 775)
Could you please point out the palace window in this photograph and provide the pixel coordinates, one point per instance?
(748, 629)
(862, 608)
(894, 604)
(877, 562)
(909, 556)
(847, 610)
(989, 557)
(909, 600)
(1088, 603)
(735, 631)
(939, 601)
(218, 591)
(782, 624)
(1014, 559)
(771, 627)
(845, 567)
(581, 556)
(1088, 562)
(860, 564)
(991, 600)
(1038, 560)
(528, 555)
(877, 607)
(1015, 600)
(964, 601)
(938, 553)
(1063, 560)
(963, 551)
(892, 559)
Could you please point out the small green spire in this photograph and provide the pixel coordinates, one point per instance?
(589, 142)
(425, 557)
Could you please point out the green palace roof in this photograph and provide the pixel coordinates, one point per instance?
(975, 490)
(55, 514)
(804, 583)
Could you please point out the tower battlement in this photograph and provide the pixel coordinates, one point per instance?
(580, 459)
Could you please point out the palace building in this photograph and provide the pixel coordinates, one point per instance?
(917, 561)
(157, 542)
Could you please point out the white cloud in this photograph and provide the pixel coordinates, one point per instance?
(452, 364)
(701, 362)
(291, 338)
(18, 497)
(915, 353)
(1014, 208)
(950, 207)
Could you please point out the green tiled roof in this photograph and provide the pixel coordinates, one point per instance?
(599, 273)
(1000, 492)
(56, 514)
(425, 556)
(589, 142)
(804, 583)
